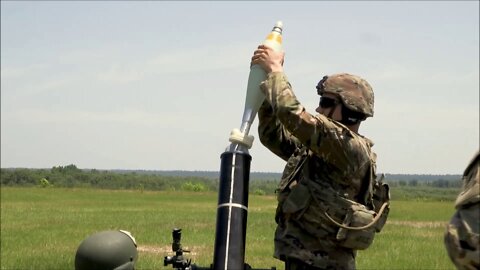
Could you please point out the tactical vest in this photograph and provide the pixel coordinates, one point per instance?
(328, 209)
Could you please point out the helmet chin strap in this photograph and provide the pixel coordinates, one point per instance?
(330, 114)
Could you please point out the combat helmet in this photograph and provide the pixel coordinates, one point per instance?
(356, 93)
(107, 250)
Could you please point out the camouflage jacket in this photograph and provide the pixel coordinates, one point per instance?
(320, 152)
(338, 156)
(462, 235)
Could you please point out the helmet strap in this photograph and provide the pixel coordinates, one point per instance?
(330, 114)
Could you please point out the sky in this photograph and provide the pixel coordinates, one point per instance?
(159, 85)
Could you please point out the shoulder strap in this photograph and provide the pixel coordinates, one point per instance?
(366, 188)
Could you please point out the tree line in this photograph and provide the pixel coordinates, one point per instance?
(70, 177)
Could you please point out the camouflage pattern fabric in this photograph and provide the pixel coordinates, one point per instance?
(462, 233)
(321, 155)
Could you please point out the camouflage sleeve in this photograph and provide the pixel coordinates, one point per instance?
(273, 135)
(324, 137)
(471, 184)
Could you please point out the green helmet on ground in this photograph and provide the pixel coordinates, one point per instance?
(355, 92)
(107, 250)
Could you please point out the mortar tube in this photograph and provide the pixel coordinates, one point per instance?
(232, 210)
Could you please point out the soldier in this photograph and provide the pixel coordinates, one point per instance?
(328, 182)
(462, 233)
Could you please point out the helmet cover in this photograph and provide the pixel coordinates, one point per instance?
(356, 93)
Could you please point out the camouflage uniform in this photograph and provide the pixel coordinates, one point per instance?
(324, 159)
(462, 233)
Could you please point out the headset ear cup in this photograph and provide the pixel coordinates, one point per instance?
(350, 117)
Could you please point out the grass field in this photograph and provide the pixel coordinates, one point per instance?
(41, 228)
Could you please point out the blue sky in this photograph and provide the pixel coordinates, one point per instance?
(159, 85)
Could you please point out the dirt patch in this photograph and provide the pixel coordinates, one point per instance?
(166, 250)
(420, 224)
(155, 249)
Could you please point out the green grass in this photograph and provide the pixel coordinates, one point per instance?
(41, 228)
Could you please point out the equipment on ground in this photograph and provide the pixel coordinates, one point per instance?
(115, 250)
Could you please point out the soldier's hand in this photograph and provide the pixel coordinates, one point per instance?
(268, 59)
